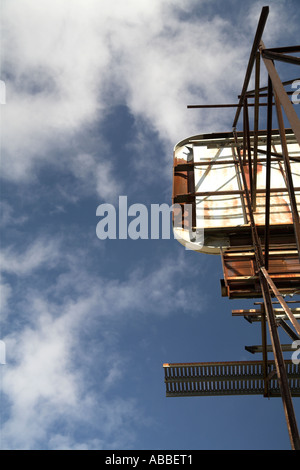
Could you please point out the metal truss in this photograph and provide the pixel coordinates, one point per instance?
(247, 154)
(228, 378)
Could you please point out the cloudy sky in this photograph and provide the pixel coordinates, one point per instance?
(96, 98)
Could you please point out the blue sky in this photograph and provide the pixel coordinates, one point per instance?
(96, 99)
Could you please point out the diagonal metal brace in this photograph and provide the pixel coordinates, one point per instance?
(281, 300)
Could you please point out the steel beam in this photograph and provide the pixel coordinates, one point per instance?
(287, 82)
(270, 316)
(280, 367)
(267, 54)
(248, 191)
(281, 300)
(259, 348)
(282, 95)
(257, 314)
(278, 156)
(223, 105)
(255, 46)
(264, 349)
(256, 127)
(285, 49)
(288, 329)
(288, 174)
(268, 173)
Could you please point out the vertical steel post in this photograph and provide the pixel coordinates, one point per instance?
(258, 35)
(288, 172)
(268, 172)
(282, 95)
(276, 346)
(256, 125)
(281, 300)
(264, 349)
(247, 144)
(280, 367)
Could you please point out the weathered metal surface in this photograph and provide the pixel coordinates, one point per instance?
(206, 176)
(241, 277)
(248, 210)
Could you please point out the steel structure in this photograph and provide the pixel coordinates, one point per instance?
(227, 378)
(259, 259)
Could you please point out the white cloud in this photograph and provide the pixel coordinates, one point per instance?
(40, 253)
(66, 64)
(50, 384)
(58, 63)
(181, 64)
(48, 391)
(280, 14)
(5, 296)
(94, 175)
(8, 216)
(70, 63)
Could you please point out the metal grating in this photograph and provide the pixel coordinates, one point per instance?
(226, 378)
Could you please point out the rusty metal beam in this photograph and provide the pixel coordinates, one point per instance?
(248, 146)
(264, 349)
(284, 49)
(265, 88)
(224, 105)
(264, 95)
(268, 173)
(288, 329)
(267, 54)
(281, 300)
(249, 191)
(288, 174)
(278, 156)
(257, 39)
(278, 356)
(280, 367)
(244, 147)
(219, 140)
(256, 127)
(259, 348)
(240, 184)
(282, 95)
(256, 314)
(189, 196)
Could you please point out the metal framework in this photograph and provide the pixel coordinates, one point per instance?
(270, 378)
(227, 378)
